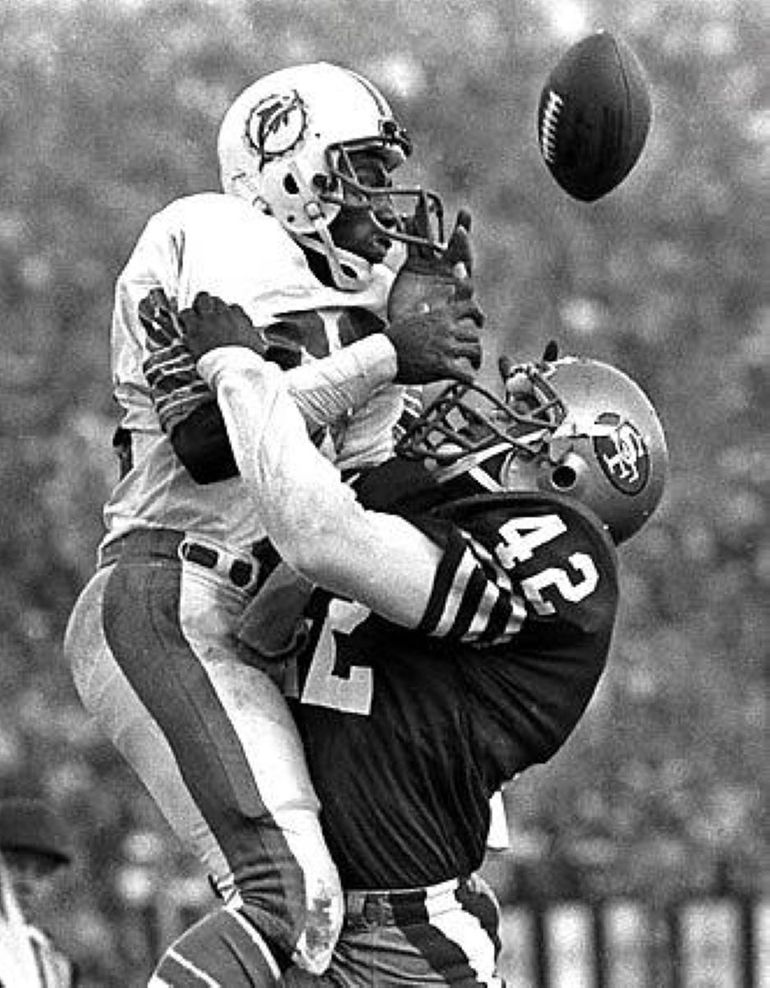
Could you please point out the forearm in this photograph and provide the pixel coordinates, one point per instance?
(326, 390)
(313, 518)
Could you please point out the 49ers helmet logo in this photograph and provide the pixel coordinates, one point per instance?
(623, 454)
(276, 125)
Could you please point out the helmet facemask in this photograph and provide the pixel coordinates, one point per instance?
(467, 419)
(407, 200)
(343, 192)
(467, 429)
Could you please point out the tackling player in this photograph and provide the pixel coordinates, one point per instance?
(300, 240)
(472, 592)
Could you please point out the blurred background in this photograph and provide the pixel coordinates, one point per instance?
(109, 110)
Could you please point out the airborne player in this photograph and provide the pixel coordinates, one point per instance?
(469, 603)
(299, 240)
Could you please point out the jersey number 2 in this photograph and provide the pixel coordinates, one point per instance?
(324, 686)
(521, 536)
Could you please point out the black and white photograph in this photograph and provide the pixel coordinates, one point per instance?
(386, 494)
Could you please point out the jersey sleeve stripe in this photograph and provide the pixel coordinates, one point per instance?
(508, 608)
(471, 605)
(453, 599)
(497, 617)
(442, 586)
(176, 407)
(504, 621)
(173, 359)
(480, 623)
(177, 388)
(473, 598)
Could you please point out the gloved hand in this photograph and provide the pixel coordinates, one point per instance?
(169, 368)
(439, 343)
(518, 386)
(158, 317)
(431, 274)
(210, 323)
(506, 366)
(273, 624)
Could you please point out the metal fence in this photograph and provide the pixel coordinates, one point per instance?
(697, 943)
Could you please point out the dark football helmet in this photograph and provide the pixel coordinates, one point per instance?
(572, 426)
(286, 142)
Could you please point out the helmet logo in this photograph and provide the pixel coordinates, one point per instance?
(622, 453)
(276, 125)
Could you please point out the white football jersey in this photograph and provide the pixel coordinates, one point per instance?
(220, 244)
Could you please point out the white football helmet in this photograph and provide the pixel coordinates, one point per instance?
(285, 145)
(573, 426)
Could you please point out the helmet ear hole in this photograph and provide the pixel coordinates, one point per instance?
(290, 185)
(564, 477)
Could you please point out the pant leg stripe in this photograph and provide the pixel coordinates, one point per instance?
(464, 929)
(174, 686)
(437, 949)
(197, 976)
(257, 940)
(479, 903)
(452, 941)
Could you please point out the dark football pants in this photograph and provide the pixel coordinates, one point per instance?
(152, 651)
(445, 935)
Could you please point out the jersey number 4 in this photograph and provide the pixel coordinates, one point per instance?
(521, 537)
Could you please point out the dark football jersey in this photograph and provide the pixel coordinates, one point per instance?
(409, 733)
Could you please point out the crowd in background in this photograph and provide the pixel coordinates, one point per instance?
(109, 110)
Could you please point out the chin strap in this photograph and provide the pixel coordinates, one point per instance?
(471, 465)
(349, 272)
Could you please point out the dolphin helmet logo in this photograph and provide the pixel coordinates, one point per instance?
(276, 125)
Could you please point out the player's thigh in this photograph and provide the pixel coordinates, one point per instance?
(171, 628)
(212, 739)
(255, 710)
(114, 705)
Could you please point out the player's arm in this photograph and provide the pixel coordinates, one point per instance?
(422, 348)
(311, 516)
(324, 390)
(212, 240)
(431, 574)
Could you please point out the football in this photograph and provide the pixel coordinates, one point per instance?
(594, 116)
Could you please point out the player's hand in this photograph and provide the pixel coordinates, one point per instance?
(210, 323)
(508, 367)
(432, 274)
(440, 343)
(273, 624)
